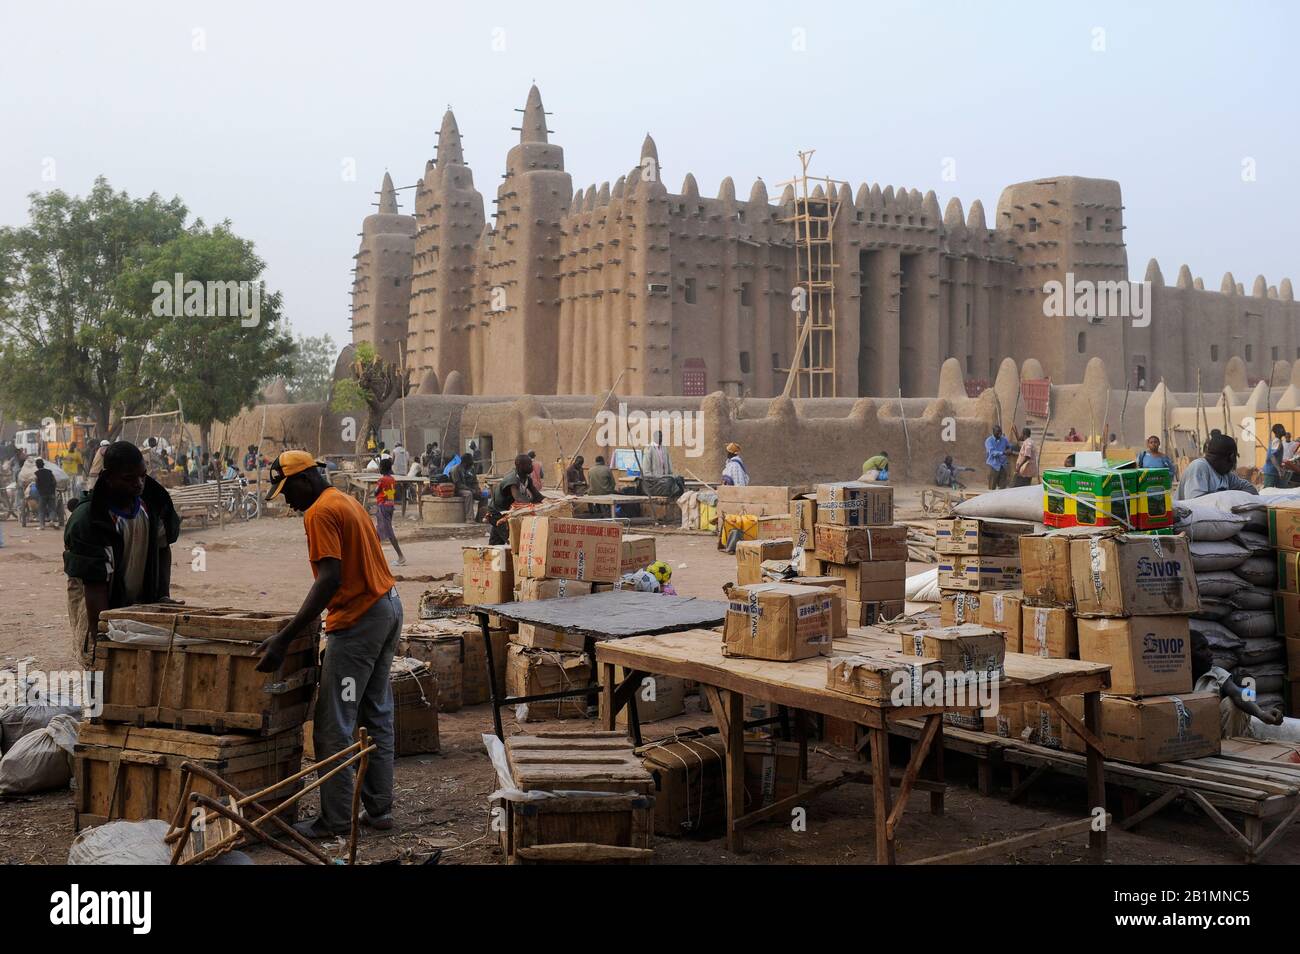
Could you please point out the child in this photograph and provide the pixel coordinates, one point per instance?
(385, 502)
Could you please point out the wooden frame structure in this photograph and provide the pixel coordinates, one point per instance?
(726, 681)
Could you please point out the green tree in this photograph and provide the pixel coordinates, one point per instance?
(217, 339)
(312, 369)
(375, 384)
(71, 335)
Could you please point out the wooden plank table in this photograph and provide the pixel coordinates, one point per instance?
(726, 680)
(612, 501)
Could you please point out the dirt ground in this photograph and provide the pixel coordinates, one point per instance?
(441, 799)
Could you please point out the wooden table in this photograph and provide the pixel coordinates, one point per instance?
(726, 680)
(612, 501)
(361, 486)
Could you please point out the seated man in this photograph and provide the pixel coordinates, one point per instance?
(1239, 714)
(600, 479)
(1214, 472)
(517, 489)
(876, 468)
(575, 481)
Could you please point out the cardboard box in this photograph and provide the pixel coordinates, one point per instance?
(1284, 525)
(853, 503)
(750, 555)
(839, 607)
(657, 698)
(1009, 723)
(778, 621)
(689, 792)
(979, 572)
(638, 552)
(554, 508)
(1001, 609)
(1288, 570)
(839, 544)
(1286, 610)
(1133, 575)
(532, 636)
(529, 589)
(959, 606)
(803, 516)
(1045, 567)
(1154, 729)
(965, 648)
(533, 673)
(1045, 724)
(1049, 631)
(980, 536)
(870, 582)
(488, 575)
(1148, 655)
(585, 550)
(775, 527)
(758, 499)
(882, 678)
(870, 613)
(771, 771)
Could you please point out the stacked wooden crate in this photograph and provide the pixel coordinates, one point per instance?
(190, 691)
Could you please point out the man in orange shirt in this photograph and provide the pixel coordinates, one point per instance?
(363, 619)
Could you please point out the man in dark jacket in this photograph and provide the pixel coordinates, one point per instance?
(47, 490)
(117, 545)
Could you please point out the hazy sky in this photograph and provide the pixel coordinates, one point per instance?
(249, 111)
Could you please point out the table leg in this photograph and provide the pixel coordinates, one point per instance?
(936, 768)
(607, 693)
(735, 730)
(493, 691)
(1096, 774)
(880, 787)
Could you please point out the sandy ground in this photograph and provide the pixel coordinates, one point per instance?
(441, 798)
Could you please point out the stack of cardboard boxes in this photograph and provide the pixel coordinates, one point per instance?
(978, 557)
(1284, 535)
(1129, 599)
(856, 540)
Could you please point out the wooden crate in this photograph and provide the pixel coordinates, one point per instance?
(615, 829)
(415, 708)
(210, 685)
(130, 773)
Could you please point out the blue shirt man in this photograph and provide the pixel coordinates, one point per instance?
(995, 449)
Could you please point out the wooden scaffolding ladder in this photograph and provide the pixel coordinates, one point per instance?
(812, 371)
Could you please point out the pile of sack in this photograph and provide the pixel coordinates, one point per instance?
(1236, 573)
(36, 747)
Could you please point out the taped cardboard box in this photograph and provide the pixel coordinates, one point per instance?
(882, 678)
(585, 550)
(853, 503)
(1049, 631)
(771, 771)
(488, 575)
(872, 612)
(868, 582)
(638, 552)
(1009, 722)
(778, 621)
(1045, 724)
(531, 672)
(1133, 575)
(689, 792)
(1045, 564)
(1288, 570)
(657, 697)
(1148, 655)
(838, 544)
(554, 508)
(803, 517)
(978, 573)
(1001, 609)
(980, 536)
(529, 589)
(840, 606)
(774, 527)
(1286, 612)
(532, 636)
(964, 648)
(750, 555)
(759, 499)
(959, 606)
(1154, 729)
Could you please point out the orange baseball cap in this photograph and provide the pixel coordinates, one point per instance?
(288, 464)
